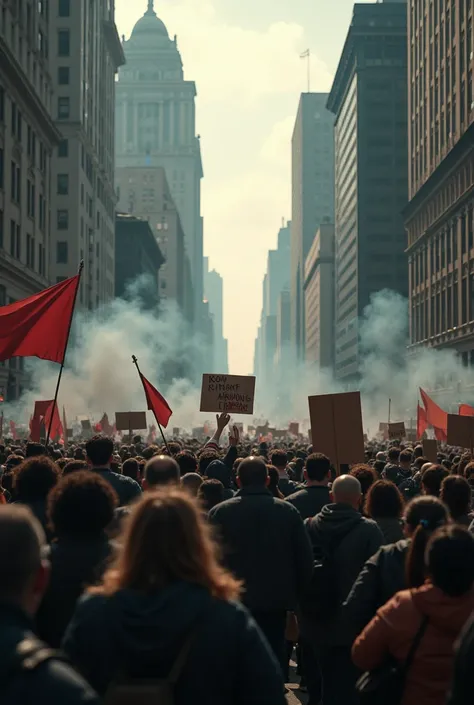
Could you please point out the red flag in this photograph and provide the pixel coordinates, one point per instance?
(44, 410)
(156, 402)
(98, 427)
(39, 325)
(466, 410)
(421, 422)
(13, 430)
(435, 416)
(105, 425)
(440, 435)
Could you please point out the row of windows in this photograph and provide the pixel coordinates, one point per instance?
(16, 247)
(16, 127)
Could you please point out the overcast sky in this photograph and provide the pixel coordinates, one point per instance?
(244, 57)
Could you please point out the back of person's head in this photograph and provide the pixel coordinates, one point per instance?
(418, 452)
(279, 459)
(419, 461)
(432, 480)
(173, 448)
(81, 504)
(187, 462)
(252, 472)
(74, 466)
(393, 455)
(456, 494)
(211, 493)
(188, 555)
(206, 458)
(405, 457)
(23, 578)
(130, 469)
(34, 450)
(161, 470)
(449, 560)
(469, 471)
(99, 451)
(423, 516)
(346, 489)
(366, 476)
(150, 451)
(384, 500)
(79, 454)
(191, 482)
(318, 467)
(273, 480)
(34, 478)
(379, 466)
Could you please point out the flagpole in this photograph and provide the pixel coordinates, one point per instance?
(309, 71)
(135, 362)
(81, 267)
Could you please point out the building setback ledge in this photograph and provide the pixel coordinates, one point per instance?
(26, 278)
(15, 73)
(113, 41)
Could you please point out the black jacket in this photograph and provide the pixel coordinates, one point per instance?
(218, 470)
(126, 488)
(140, 635)
(462, 688)
(356, 539)
(287, 487)
(392, 529)
(310, 500)
(75, 564)
(53, 682)
(266, 545)
(380, 579)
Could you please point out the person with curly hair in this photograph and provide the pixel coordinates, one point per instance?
(384, 504)
(80, 508)
(34, 478)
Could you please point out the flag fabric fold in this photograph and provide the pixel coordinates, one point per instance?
(435, 416)
(466, 410)
(39, 325)
(156, 402)
(421, 422)
(44, 411)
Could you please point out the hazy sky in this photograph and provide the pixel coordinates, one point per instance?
(244, 57)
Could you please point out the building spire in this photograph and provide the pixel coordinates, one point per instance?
(151, 9)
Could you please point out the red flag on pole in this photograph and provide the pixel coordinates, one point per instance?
(13, 430)
(105, 425)
(39, 325)
(466, 410)
(435, 416)
(421, 422)
(46, 412)
(156, 402)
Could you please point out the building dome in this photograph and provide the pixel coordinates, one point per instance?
(149, 27)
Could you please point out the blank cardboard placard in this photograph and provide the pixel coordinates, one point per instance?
(396, 430)
(70, 433)
(130, 420)
(279, 433)
(430, 450)
(233, 394)
(460, 430)
(294, 429)
(86, 425)
(176, 431)
(336, 427)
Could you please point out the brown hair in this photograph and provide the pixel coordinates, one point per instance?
(366, 476)
(423, 516)
(183, 551)
(384, 500)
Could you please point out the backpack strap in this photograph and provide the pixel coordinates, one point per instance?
(415, 644)
(181, 660)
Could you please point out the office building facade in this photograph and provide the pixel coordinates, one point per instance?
(214, 295)
(319, 289)
(369, 100)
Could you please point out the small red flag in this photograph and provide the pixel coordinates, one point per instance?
(156, 402)
(466, 410)
(421, 422)
(42, 415)
(435, 416)
(105, 425)
(38, 326)
(13, 430)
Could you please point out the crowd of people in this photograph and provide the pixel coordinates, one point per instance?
(187, 574)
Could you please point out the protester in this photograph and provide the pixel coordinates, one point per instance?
(273, 481)
(279, 460)
(74, 466)
(462, 686)
(211, 493)
(163, 595)
(130, 468)
(440, 608)
(384, 504)
(392, 467)
(33, 481)
(315, 494)
(267, 547)
(100, 450)
(432, 479)
(341, 532)
(218, 470)
(191, 482)
(388, 571)
(187, 462)
(161, 470)
(43, 678)
(456, 494)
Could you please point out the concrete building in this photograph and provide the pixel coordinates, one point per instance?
(156, 127)
(440, 214)
(144, 192)
(214, 295)
(312, 185)
(369, 99)
(319, 298)
(85, 52)
(138, 259)
(283, 351)
(27, 138)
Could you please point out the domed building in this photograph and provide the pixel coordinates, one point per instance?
(156, 130)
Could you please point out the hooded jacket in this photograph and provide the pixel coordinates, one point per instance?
(352, 539)
(391, 528)
(217, 470)
(394, 628)
(53, 682)
(310, 500)
(140, 635)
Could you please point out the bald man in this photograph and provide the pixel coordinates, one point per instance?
(161, 470)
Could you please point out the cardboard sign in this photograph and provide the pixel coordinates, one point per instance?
(295, 429)
(69, 433)
(336, 427)
(130, 420)
(262, 430)
(396, 430)
(279, 434)
(231, 393)
(430, 450)
(460, 430)
(86, 425)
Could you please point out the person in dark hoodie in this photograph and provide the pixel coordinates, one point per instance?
(167, 589)
(341, 532)
(217, 470)
(100, 450)
(279, 459)
(33, 481)
(23, 579)
(80, 508)
(392, 468)
(315, 494)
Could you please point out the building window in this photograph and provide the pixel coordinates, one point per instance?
(64, 8)
(1, 168)
(31, 198)
(30, 251)
(15, 183)
(63, 42)
(63, 75)
(63, 148)
(1, 230)
(61, 252)
(63, 219)
(63, 108)
(42, 212)
(2, 104)
(63, 184)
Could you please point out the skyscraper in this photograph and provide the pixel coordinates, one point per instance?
(369, 99)
(312, 188)
(156, 127)
(214, 294)
(319, 298)
(85, 53)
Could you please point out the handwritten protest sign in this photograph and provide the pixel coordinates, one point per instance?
(231, 393)
(396, 430)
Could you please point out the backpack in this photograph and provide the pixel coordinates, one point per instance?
(148, 691)
(321, 599)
